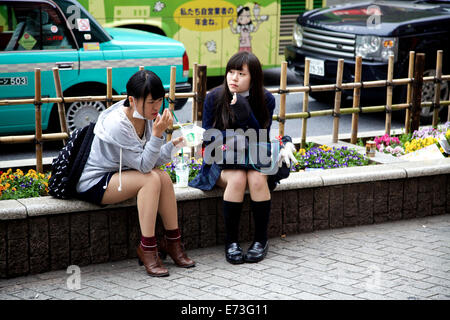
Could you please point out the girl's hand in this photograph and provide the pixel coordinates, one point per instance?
(179, 142)
(233, 101)
(161, 123)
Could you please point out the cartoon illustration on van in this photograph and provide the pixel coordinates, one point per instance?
(245, 25)
(211, 31)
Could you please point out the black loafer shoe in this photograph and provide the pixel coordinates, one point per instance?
(234, 254)
(256, 252)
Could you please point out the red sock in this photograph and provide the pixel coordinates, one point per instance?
(148, 243)
(173, 234)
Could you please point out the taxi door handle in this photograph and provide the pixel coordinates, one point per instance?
(65, 65)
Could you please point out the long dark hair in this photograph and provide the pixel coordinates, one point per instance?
(142, 83)
(224, 117)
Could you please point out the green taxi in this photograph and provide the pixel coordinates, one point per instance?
(61, 33)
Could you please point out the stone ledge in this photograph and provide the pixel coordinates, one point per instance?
(12, 209)
(33, 207)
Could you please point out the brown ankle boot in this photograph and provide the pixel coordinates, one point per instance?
(175, 250)
(152, 263)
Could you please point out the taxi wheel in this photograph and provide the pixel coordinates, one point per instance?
(79, 114)
(426, 115)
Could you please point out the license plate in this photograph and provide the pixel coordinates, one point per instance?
(316, 67)
(14, 81)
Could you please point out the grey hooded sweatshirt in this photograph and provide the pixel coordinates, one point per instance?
(116, 147)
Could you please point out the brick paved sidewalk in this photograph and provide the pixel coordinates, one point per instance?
(397, 260)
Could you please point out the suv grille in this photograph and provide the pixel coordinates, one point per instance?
(329, 42)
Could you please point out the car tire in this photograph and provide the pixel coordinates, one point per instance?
(323, 97)
(426, 115)
(79, 114)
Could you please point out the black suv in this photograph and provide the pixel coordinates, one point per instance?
(374, 30)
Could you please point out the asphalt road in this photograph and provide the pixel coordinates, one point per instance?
(316, 126)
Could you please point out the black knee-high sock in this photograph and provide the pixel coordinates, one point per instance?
(232, 216)
(261, 213)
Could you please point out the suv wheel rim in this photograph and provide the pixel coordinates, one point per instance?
(80, 114)
(428, 92)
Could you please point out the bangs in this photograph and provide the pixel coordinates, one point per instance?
(153, 86)
(237, 62)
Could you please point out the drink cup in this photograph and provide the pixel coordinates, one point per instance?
(192, 134)
(181, 174)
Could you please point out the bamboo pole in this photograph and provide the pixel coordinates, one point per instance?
(356, 100)
(82, 98)
(337, 99)
(38, 119)
(194, 101)
(419, 65)
(282, 114)
(437, 88)
(305, 102)
(194, 89)
(108, 87)
(30, 138)
(390, 87)
(201, 91)
(61, 106)
(409, 92)
(173, 79)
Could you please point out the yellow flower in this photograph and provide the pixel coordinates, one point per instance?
(19, 172)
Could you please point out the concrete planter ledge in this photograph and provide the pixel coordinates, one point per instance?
(33, 207)
(43, 234)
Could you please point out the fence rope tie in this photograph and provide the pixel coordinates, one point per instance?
(337, 89)
(362, 84)
(283, 91)
(435, 105)
(360, 109)
(389, 83)
(172, 101)
(409, 106)
(36, 141)
(169, 131)
(309, 88)
(309, 115)
(281, 120)
(437, 80)
(336, 114)
(109, 100)
(37, 103)
(387, 109)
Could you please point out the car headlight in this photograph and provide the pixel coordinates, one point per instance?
(376, 48)
(298, 35)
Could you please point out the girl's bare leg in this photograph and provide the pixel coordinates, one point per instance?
(234, 182)
(147, 188)
(167, 201)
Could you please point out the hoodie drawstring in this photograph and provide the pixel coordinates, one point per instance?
(120, 171)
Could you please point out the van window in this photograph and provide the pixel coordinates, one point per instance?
(32, 26)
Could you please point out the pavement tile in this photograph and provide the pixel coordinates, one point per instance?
(393, 260)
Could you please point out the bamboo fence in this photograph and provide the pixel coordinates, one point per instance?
(412, 105)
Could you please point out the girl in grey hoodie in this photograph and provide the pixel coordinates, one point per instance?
(127, 150)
